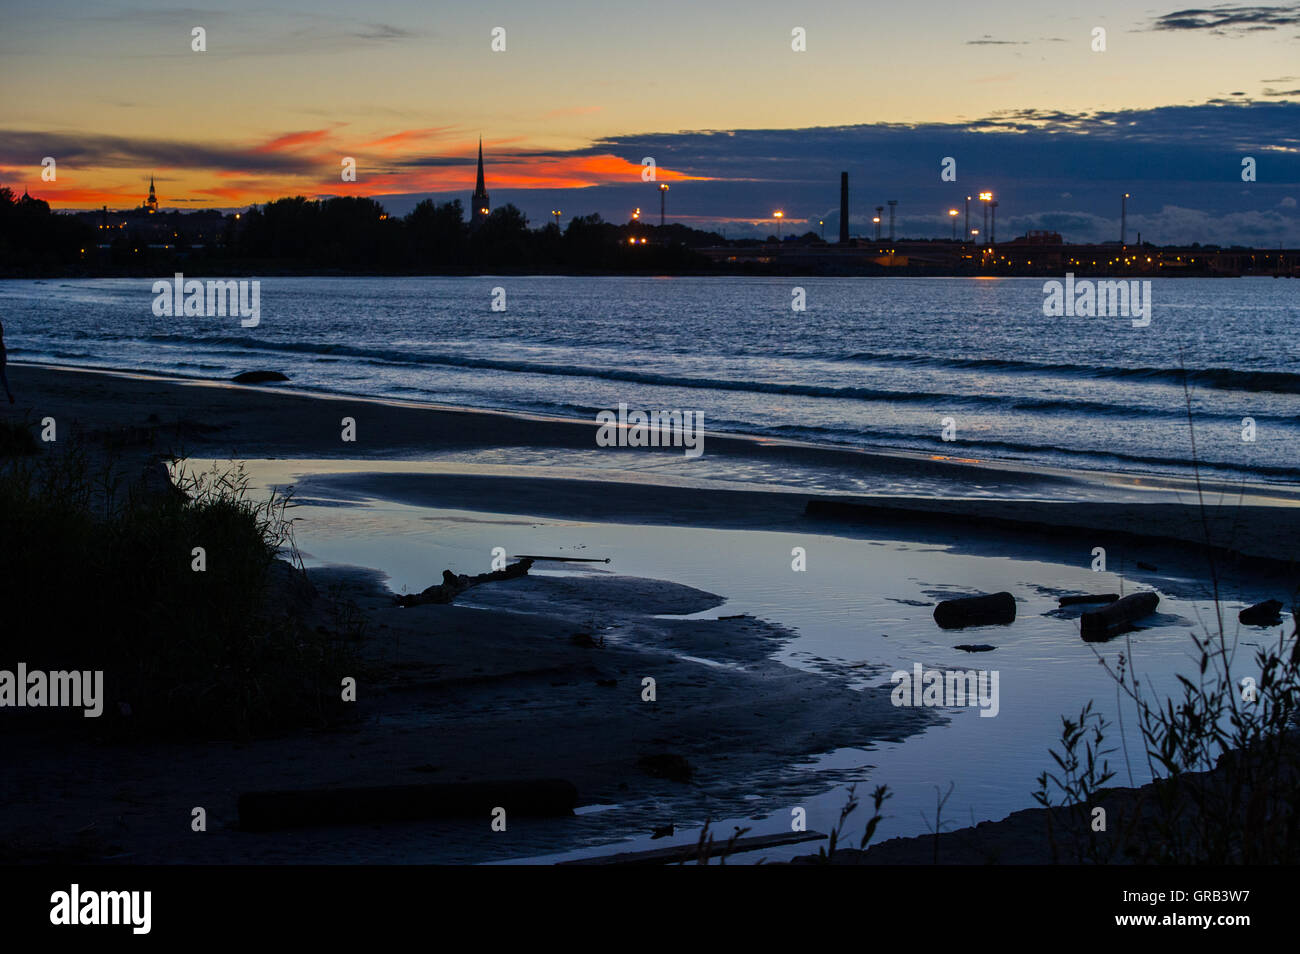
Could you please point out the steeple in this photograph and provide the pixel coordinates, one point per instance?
(151, 203)
(479, 204)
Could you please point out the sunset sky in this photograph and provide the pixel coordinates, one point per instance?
(738, 122)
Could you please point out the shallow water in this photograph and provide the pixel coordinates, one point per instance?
(861, 610)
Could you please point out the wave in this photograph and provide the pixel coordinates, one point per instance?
(384, 356)
(1227, 379)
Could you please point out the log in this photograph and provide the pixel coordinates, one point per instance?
(1088, 598)
(531, 556)
(976, 611)
(535, 798)
(1101, 624)
(453, 585)
(687, 853)
(1267, 613)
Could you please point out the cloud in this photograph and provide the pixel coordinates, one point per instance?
(987, 40)
(1229, 20)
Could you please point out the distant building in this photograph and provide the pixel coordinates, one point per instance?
(150, 204)
(479, 205)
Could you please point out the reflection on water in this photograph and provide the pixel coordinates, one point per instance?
(860, 610)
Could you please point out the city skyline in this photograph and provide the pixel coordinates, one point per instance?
(1015, 94)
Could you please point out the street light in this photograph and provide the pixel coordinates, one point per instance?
(778, 215)
(952, 214)
(556, 213)
(636, 214)
(875, 220)
(822, 223)
(986, 198)
(967, 232)
(663, 197)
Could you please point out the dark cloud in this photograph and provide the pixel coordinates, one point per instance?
(1227, 19)
(987, 40)
(119, 152)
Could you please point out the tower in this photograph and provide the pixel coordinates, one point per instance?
(479, 205)
(151, 203)
(844, 208)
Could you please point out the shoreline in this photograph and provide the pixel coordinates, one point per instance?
(513, 674)
(147, 415)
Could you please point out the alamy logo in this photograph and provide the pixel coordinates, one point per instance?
(75, 906)
(191, 299)
(37, 689)
(653, 429)
(948, 688)
(1104, 299)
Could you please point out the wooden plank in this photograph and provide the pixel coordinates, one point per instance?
(691, 852)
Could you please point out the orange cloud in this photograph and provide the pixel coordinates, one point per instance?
(391, 143)
(293, 140)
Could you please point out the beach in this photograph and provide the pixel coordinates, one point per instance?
(542, 676)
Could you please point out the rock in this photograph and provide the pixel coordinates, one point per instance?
(976, 611)
(1102, 624)
(260, 377)
(1145, 566)
(1267, 613)
(662, 832)
(975, 648)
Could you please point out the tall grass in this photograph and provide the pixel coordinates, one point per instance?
(97, 572)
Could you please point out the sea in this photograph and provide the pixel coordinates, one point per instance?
(932, 365)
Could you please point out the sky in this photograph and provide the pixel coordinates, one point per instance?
(739, 123)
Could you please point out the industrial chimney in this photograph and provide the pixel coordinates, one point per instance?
(844, 208)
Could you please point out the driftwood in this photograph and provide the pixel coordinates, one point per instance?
(1102, 624)
(1088, 598)
(686, 853)
(271, 811)
(530, 556)
(1267, 613)
(453, 585)
(976, 611)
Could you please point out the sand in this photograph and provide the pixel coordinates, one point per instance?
(502, 689)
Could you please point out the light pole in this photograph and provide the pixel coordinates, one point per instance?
(822, 223)
(556, 213)
(663, 198)
(993, 225)
(892, 204)
(778, 215)
(967, 232)
(876, 220)
(986, 198)
(952, 214)
(1123, 221)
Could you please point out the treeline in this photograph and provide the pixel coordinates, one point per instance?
(33, 237)
(339, 235)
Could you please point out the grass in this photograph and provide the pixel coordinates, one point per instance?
(97, 573)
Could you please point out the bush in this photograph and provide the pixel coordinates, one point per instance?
(98, 574)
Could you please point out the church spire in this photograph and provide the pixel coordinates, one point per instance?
(479, 204)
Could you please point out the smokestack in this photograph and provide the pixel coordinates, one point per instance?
(844, 208)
